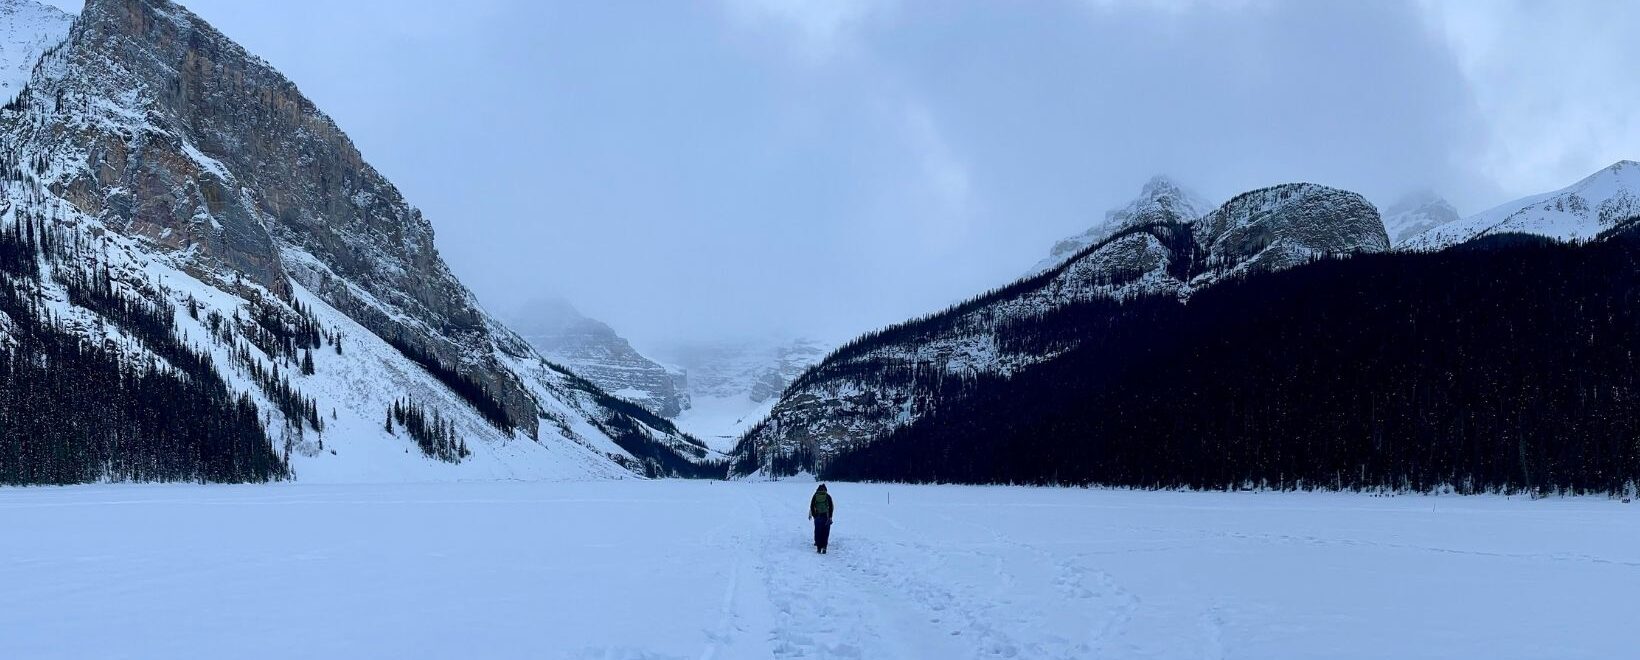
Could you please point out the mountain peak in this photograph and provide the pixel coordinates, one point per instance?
(1163, 187)
(595, 351)
(1159, 184)
(1417, 212)
(137, 17)
(213, 183)
(1417, 198)
(1623, 172)
(1288, 224)
(1161, 199)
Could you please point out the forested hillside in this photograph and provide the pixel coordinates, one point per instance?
(204, 279)
(1504, 364)
(72, 410)
(885, 380)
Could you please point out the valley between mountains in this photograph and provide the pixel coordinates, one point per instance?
(204, 280)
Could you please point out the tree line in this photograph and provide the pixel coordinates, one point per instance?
(73, 410)
(1504, 365)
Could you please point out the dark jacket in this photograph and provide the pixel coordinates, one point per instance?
(821, 505)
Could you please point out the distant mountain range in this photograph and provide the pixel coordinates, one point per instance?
(202, 279)
(713, 390)
(594, 351)
(733, 384)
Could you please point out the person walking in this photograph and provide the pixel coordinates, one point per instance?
(820, 511)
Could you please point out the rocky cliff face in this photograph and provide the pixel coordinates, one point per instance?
(194, 162)
(888, 379)
(594, 351)
(1284, 226)
(194, 144)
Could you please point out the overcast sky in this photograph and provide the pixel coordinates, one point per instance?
(733, 167)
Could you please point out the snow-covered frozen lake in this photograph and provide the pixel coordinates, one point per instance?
(725, 570)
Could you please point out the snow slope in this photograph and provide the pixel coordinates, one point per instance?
(720, 420)
(203, 180)
(1577, 212)
(27, 29)
(732, 384)
(611, 570)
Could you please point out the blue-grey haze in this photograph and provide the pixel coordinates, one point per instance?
(735, 167)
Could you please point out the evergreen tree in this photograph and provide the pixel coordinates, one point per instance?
(1508, 364)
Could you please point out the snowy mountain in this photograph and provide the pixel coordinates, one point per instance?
(27, 29)
(1161, 200)
(594, 351)
(1580, 211)
(1377, 372)
(887, 379)
(733, 384)
(1416, 214)
(189, 212)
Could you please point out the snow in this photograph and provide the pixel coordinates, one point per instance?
(1160, 198)
(206, 163)
(354, 389)
(1578, 212)
(671, 569)
(629, 393)
(27, 30)
(1416, 214)
(719, 421)
(732, 384)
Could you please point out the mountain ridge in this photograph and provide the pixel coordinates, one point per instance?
(1399, 390)
(203, 181)
(1161, 199)
(1580, 211)
(887, 379)
(595, 351)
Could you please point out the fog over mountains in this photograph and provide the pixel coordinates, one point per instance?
(775, 166)
(182, 223)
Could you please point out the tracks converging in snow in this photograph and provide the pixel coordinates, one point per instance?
(725, 571)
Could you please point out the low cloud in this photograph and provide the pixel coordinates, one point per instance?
(816, 31)
(1554, 85)
(723, 169)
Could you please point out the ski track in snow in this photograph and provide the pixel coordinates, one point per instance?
(674, 570)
